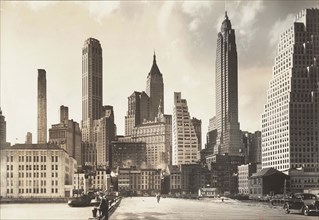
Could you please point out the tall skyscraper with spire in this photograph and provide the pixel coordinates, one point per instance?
(145, 106)
(155, 90)
(229, 135)
(290, 121)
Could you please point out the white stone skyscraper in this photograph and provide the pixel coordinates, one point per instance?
(186, 145)
(228, 131)
(290, 121)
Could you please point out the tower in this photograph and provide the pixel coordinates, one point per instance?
(185, 138)
(92, 86)
(3, 130)
(290, 121)
(155, 89)
(42, 107)
(229, 135)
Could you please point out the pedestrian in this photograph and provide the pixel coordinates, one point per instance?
(158, 197)
(104, 208)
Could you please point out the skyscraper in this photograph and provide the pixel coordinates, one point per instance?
(138, 111)
(92, 86)
(67, 135)
(229, 135)
(145, 106)
(3, 130)
(105, 133)
(185, 141)
(42, 107)
(290, 121)
(155, 90)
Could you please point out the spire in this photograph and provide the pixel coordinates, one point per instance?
(226, 25)
(154, 57)
(154, 68)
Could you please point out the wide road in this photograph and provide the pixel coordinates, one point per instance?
(169, 208)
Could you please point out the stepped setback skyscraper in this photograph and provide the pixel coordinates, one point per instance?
(186, 145)
(155, 90)
(92, 87)
(290, 122)
(229, 135)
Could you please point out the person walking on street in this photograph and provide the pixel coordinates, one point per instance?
(158, 197)
(104, 209)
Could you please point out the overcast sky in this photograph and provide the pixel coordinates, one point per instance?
(50, 35)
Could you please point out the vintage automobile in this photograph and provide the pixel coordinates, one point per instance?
(303, 202)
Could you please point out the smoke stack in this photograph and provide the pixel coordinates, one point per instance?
(42, 107)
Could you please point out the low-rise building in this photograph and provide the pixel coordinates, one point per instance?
(224, 170)
(133, 181)
(244, 172)
(268, 181)
(303, 179)
(37, 171)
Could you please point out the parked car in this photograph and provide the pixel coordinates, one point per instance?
(303, 202)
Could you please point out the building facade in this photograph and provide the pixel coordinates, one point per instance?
(229, 135)
(301, 180)
(244, 172)
(67, 135)
(225, 172)
(185, 141)
(128, 154)
(138, 111)
(105, 133)
(290, 121)
(157, 135)
(37, 171)
(268, 181)
(132, 181)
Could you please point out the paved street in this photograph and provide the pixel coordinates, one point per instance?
(168, 208)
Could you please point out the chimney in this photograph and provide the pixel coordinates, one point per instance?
(42, 107)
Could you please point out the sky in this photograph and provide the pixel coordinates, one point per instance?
(50, 35)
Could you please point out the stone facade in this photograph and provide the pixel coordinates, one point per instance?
(290, 121)
(37, 171)
(186, 146)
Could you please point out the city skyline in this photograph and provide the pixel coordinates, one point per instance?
(182, 47)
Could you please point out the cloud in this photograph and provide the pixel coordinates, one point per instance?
(244, 16)
(100, 9)
(197, 11)
(38, 5)
(194, 8)
(164, 15)
(279, 27)
(190, 82)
